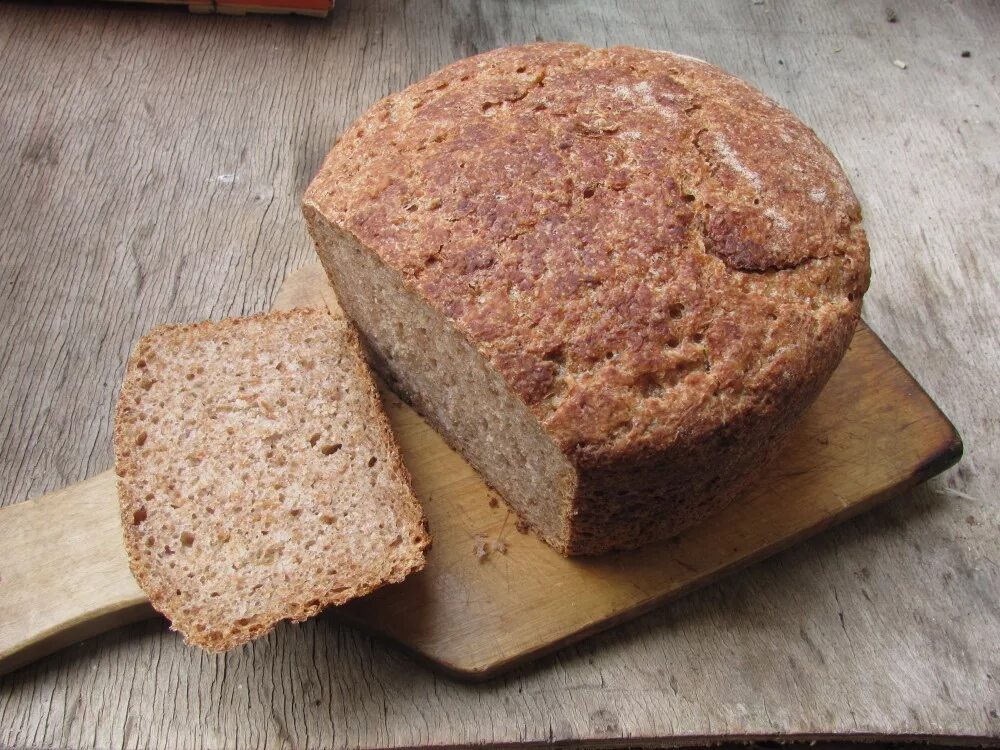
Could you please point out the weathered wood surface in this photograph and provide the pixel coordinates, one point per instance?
(150, 165)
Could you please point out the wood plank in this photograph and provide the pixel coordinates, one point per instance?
(138, 185)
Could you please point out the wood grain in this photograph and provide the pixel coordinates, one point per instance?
(487, 602)
(148, 173)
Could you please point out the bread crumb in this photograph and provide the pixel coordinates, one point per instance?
(956, 493)
(494, 502)
(522, 527)
(479, 547)
(499, 545)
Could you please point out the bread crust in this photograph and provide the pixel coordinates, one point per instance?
(660, 261)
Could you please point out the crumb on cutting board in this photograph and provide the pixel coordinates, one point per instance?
(479, 547)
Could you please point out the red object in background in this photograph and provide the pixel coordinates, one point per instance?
(305, 7)
(240, 7)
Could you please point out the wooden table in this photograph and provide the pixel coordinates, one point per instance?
(150, 168)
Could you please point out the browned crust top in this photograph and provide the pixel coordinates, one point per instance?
(643, 245)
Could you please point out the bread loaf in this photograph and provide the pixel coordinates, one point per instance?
(612, 278)
(258, 477)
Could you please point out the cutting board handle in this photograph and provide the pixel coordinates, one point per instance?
(64, 575)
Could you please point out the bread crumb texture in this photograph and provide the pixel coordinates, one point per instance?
(257, 475)
(644, 246)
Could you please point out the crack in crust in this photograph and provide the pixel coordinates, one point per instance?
(642, 245)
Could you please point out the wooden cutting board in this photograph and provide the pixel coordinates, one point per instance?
(490, 597)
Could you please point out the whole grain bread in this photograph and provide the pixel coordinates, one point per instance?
(611, 277)
(258, 477)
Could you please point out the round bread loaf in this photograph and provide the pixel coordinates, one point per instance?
(611, 277)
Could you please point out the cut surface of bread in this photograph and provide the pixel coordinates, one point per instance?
(258, 478)
(441, 374)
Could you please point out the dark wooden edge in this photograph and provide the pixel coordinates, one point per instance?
(944, 456)
(822, 741)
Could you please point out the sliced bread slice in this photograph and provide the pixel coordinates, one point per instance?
(258, 478)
